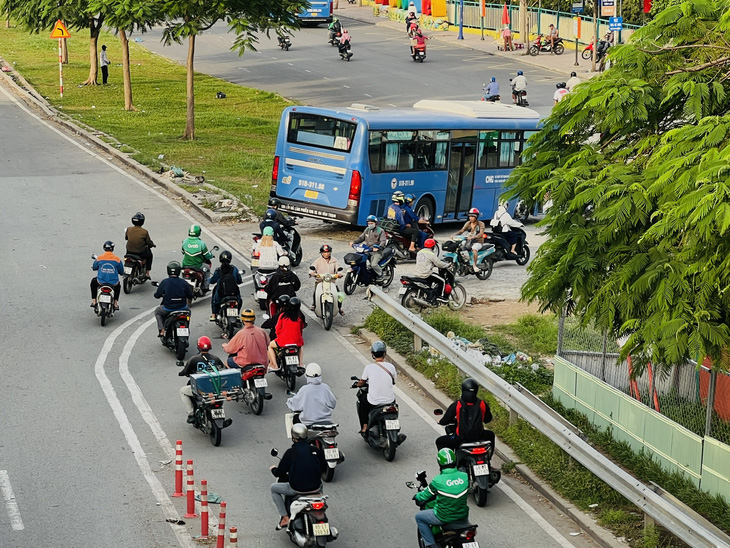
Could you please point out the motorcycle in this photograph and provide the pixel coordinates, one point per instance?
(322, 435)
(502, 247)
(284, 42)
(603, 46)
(287, 358)
(360, 272)
(383, 425)
(294, 241)
(177, 332)
(417, 294)
(260, 277)
(400, 243)
(345, 51)
(253, 387)
(308, 523)
(418, 53)
(210, 391)
(334, 37)
(455, 534)
(521, 94)
(490, 98)
(325, 295)
(456, 252)
(543, 45)
(195, 277)
(134, 272)
(228, 317)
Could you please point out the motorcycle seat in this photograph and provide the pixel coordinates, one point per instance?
(413, 279)
(457, 525)
(133, 257)
(323, 425)
(474, 444)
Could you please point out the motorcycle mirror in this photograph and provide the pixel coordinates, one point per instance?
(265, 316)
(274, 452)
(438, 412)
(354, 379)
(155, 284)
(216, 248)
(311, 268)
(410, 485)
(93, 256)
(340, 269)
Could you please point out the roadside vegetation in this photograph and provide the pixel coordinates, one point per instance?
(537, 336)
(234, 137)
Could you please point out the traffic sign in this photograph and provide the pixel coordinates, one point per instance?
(578, 6)
(60, 30)
(608, 8)
(615, 23)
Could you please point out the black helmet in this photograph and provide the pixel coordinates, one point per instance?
(108, 245)
(270, 214)
(225, 257)
(295, 303)
(283, 300)
(173, 268)
(138, 219)
(378, 349)
(560, 85)
(469, 390)
(573, 74)
(325, 248)
(274, 202)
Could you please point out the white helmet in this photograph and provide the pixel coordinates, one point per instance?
(299, 432)
(284, 261)
(313, 370)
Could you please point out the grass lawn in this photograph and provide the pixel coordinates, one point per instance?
(235, 137)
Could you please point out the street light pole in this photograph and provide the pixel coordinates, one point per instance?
(461, 20)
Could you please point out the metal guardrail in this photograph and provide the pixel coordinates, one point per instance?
(672, 514)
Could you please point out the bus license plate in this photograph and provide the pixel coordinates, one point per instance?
(261, 294)
(232, 312)
(481, 469)
(392, 424)
(321, 529)
(127, 269)
(312, 195)
(183, 331)
(470, 545)
(292, 360)
(260, 383)
(218, 413)
(332, 454)
(105, 298)
(402, 291)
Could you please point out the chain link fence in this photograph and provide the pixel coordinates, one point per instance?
(682, 393)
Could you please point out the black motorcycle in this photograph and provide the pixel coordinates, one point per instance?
(177, 332)
(196, 276)
(345, 51)
(229, 317)
(502, 248)
(322, 434)
(519, 96)
(287, 358)
(383, 425)
(418, 293)
(542, 45)
(284, 42)
(253, 386)
(360, 272)
(210, 391)
(134, 272)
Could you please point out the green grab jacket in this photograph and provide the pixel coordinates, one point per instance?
(194, 252)
(450, 488)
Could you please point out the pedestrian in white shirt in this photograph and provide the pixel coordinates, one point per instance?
(105, 62)
(504, 219)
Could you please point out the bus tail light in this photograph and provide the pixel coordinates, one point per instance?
(332, 9)
(275, 171)
(355, 187)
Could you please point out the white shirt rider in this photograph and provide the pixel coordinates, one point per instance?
(380, 383)
(519, 83)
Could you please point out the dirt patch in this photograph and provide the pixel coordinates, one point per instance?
(486, 312)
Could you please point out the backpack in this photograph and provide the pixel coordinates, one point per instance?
(227, 286)
(469, 425)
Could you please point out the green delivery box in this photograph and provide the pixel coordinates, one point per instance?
(216, 382)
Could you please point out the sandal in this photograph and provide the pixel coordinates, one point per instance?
(280, 526)
(312, 308)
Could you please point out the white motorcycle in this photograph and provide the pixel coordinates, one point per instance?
(325, 296)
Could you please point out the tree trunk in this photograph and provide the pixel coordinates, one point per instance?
(7, 21)
(126, 74)
(524, 26)
(64, 51)
(190, 121)
(94, 30)
(595, 35)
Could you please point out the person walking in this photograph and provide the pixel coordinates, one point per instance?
(105, 62)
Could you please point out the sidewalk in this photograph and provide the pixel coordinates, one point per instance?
(561, 64)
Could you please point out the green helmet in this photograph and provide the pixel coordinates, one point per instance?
(446, 457)
(194, 230)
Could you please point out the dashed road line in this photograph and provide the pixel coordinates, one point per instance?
(16, 522)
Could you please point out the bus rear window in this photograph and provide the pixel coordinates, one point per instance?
(320, 131)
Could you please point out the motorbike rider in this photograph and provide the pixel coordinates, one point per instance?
(469, 413)
(325, 264)
(411, 219)
(450, 490)
(492, 89)
(395, 213)
(281, 304)
(226, 278)
(552, 37)
(344, 42)
(196, 254)
(139, 242)
(204, 361)
(374, 237)
(572, 81)
(285, 222)
(475, 235)
(268, 250)
(176, 294)
(426, 260)
(420, 39)
(289, 329)
(303, 464)
(335, 28)
(379, 377)
(284, 281)
(250, 344)
(560, 92)
(519, 83)
(314, 401)
(109, 267)
(411, 20)
(270, 220)
(503, 219)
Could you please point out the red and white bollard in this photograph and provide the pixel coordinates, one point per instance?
(203, 509)
(233, 537)
(178, 470)
(191, 492)
(222, 527)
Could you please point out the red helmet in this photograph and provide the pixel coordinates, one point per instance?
(474, 211)
(429, 243)
(204, 344)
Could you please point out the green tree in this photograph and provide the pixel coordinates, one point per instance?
(246, 18)
(636, 164)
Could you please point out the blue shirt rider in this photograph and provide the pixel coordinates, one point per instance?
(412, 219)
(176, 294)
(395, 213)
(492, 89)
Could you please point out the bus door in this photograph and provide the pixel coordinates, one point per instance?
(460, 184)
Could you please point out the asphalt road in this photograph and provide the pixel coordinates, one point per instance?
(92, 414)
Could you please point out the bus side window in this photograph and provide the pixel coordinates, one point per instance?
(507, 149)
(391, 157)
(440, 155)
(424, 156)
(405, 157)
(488, 156)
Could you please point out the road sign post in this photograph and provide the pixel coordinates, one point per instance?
(576, 31)
(60, 32)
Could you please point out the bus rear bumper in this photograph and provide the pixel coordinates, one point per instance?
(345, 216)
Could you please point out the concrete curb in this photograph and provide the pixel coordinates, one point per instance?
(20, 87)
(584, 520)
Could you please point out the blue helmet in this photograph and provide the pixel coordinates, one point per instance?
(519, 73)
(409, 198)
(372, 218)
(493, 79)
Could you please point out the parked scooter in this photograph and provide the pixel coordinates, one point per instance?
(383, 425)
(210, 391)
(360, 272)
(325, 295)
(134, 272)
(195, 277)
(502, 247)
(456, 252)
(455, 534)
(417, 294)
(177, 332)
(253, 387)
(543, 45)
(308, 523)
(284, 41)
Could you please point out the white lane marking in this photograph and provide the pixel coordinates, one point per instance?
(325, 77)
(348, 87)
(392, 105)
(367, 95)
(11, 505)
(290, 64)
(307, 70)
(158, 490)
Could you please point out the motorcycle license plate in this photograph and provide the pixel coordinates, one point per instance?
(260, 383)
(183, 331)
(127, 269)
(402, 291)
(481, 469)
(232, 312)
(392, 424)
(218, 413)
(254, 262)
(291, 360)
(105, 298)
(332, 454)
(321, 529)
(261, 294)
(470, 545)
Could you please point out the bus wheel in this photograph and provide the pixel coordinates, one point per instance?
(425, 209)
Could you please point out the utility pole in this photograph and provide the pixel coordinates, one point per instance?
(595, 33)
(524, 26)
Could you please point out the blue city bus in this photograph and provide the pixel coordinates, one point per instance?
(319, 11)
(343, 164)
